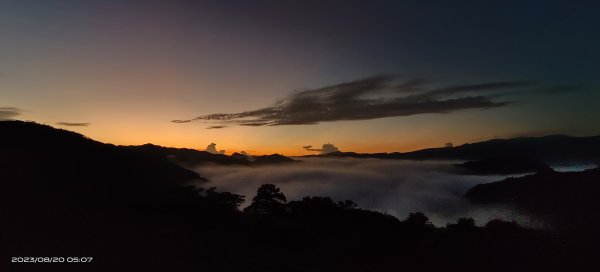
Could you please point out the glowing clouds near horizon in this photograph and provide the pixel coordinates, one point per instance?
(325, 149)
(8, 113)
(212, 148)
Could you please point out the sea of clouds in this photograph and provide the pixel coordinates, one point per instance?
(395, 187)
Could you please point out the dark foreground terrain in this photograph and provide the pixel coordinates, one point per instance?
(129, 208)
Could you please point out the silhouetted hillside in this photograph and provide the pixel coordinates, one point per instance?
(128, 208)
(57, 159)
(192, 157)
(272, 159)
(66, 195)
(240, 156)
(567, 201)
(550, 149)
(503, 166)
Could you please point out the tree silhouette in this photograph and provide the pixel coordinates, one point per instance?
(347, 204)
(466, 222)
(418, 219)
(463, 224)
(221, 200)
(269, 200)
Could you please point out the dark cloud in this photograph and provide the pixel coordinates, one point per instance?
(70, 124)
(325, 149)
(370, 98)
(181, 121)
(215, 127)
(254, 124)
(560, 89)
(544, 90)
(494, 86)
(8, 113)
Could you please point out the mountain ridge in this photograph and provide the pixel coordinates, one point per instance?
(551, 148)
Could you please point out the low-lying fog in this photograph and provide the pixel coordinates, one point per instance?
(395, 187)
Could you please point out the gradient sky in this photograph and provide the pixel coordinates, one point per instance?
(122, 71)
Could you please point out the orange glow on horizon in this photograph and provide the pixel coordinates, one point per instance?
(173, 138)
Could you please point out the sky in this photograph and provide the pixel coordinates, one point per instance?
(274, 76)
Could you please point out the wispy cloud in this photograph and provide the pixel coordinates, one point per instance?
(8, 113)
(560, 89)
(181, 121)
(215, 127)
(70, 124)
(370, 98)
